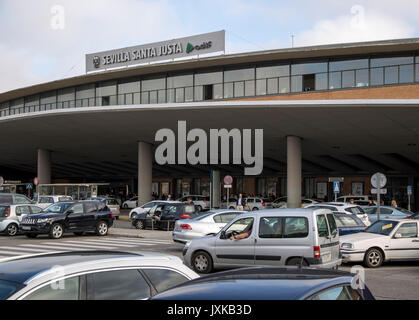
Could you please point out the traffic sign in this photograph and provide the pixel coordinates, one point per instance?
(409, 191)
(375, 191)
(36, 181)
(228, 180)
(1, 181)
(29, 186)
(378, 180)
(336, 187)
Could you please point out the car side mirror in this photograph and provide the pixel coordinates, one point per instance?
(398, 236)
(223, 235)
(70, 211)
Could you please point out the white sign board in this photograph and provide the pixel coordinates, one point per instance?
(375, 191)
(378, 180)
(228, 186)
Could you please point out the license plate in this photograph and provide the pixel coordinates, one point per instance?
(26, 228)
(327, 257)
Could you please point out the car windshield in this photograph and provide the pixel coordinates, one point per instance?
(8, 288)
(383, 227)
(58, 207)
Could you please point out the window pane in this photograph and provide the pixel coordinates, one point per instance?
(188, 94)
(129, 87)
(153, 84)
(417, 72)
(284, 84)
(362, 78)
(261, 87)
(162, 96)
(228, 90)
(391, 75)
(296, 83)
(307, 68)
(249, 88)
(338, 293)
(296, 228)
(237, 75)
(332, 223)
(377, 76)
(106, 89)
(406, 73)
(164, 279)
(67, 289)
(272, 72)
(348, 65)
(66, 94)
(335, 80)
(144, 98)
(348, 79)
(199, 93)
(218, 91)
(170, 95)
(86, 91)
(408, 230)
(180, 95)
(180, 81)
(322, 229)
(119, 285)
(153, 96)
(272, 86)
(381, 62)
(321, 81)
(208, 78)
(270, 227)
(238, 89)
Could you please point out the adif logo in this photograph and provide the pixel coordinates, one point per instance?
(58, 18)
(197, 153)
(358, 19)
(96, 61)
(58, 272)
(190, 47)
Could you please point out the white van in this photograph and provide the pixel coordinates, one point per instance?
(275, 237)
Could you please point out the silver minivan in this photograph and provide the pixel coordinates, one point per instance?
(275, 237)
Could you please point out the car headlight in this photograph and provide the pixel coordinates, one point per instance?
(347, 246)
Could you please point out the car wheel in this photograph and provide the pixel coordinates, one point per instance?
(31, 235)
(297, 262)
(79, 234)
(139, 224)
(56, 231)
(12, 229)
(373, 258)
(202, 262)
(232, 208)
(102, 228)
(255, 209)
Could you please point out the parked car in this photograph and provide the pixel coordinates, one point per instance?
(279, 202)
(148, 219)
(387, 212)
(414, 216)
(254, 203)
(45, 201)
(102, 275)
(348, 223)
(201, 202)
(344, 208)
(385, 240)
(112, 204)
(356, 198)
(274, 237)
(286, 283)
(77, 217)
(208, 224)
(12, 215)
(14, 198)
(130, 204)
(173, 212)
(147, 207)
(304, 203)
(232, 203)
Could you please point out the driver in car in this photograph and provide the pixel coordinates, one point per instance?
(244, 234)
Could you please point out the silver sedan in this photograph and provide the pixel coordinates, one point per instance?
(208, 224)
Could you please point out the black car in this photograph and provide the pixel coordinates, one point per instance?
(76, 216)
(266, 283)
(173, 212)
(148, 220)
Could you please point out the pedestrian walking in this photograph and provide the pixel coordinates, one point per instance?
(240, 203)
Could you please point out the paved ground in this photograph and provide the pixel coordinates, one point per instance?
(392, 281)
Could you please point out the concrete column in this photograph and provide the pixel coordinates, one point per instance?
(216, 189)
(44, 166)
(294, 173)
(145, 172)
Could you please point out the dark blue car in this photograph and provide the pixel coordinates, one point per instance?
(269, 283)
(348, 223)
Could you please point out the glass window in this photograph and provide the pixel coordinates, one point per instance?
(406, 73)
(7, 289)
(180, 81)
(228, 90)
(296, 228)
(346, 221)
(21, 200)
(241, 226)
(67, 289)
(180, 95)
(249, 89)
(322, 229)
(239, 89)
(377, 76)
(321, 81)
(85, 91)
(208, 78)
(49, 98)
(348, 65)
(153, 96)
(239, 75)
(261, 87)
(188, 94)
(337, 293)
(272, 72)
(5, 199)
(272, 86)
(129, 86)
(90, 207)
(225, 217)
(332, 224)
(408, 230)
(382, 62)
(153, 84)
(348, 79)
(77, 208)
(23, 210)
(335, 79)
(284, 84)
(362, 78)
(32, 101)
(118, 285)
(271, 227)
(199, 93)
(417, 72)
(163, 279)
(218, 91)
(383, 227)
(391, 75)
(308, 68)
(296, 84)
(17, 103)
(35, 209)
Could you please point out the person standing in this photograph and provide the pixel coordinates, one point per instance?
(394, 203)
(240, 202)
(169, 197)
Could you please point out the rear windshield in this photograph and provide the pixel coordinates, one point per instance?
(64, 199)
(8, 288)
(405, 211)
(346, 221)
(189, 209)
(5, 199)
(3, 210)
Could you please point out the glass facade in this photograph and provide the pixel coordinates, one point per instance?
(227, 83)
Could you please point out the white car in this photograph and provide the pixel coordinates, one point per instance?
(384, 240)
(254, 203)
(201, 202)
(344, 208)
(232, 203)
(130, 204)
(147, 207)
(284, 205)
(12, 215)
(355, 198)
(45, 201)
(208, 224)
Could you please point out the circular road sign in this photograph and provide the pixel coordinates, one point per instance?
(379, 180)
(36, 181)
(228, 180)
(1, 181)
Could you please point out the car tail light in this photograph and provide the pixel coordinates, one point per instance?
(185, 227)
(263, 204)
(185, 216)
(316, 252)
(111, 214)
(7, 213)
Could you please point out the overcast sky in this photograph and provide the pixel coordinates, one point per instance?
(45, 40)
